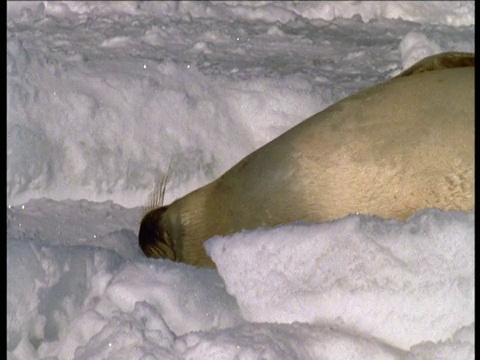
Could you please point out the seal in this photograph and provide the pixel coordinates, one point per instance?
(390, 151)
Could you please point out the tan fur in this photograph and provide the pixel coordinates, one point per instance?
(390, 150)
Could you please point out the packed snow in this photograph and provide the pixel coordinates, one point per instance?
(103, 96)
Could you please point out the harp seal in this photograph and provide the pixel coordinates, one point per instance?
(390, 150)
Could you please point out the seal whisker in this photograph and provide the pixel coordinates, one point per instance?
(157, 197)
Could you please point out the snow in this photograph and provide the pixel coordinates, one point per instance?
(102, 96)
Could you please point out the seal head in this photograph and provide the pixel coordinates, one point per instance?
(153, 238)
(448, 60)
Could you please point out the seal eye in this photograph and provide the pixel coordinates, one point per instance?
(153, 238)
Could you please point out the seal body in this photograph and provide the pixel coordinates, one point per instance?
(390, 150)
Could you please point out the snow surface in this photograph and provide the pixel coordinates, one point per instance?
(102, 96)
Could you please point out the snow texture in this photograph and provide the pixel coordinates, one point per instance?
(103, 96)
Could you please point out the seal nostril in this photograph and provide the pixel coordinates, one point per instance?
(153, 238)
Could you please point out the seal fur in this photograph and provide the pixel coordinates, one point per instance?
(390, 150)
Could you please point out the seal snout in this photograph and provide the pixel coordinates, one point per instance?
(153, 238)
